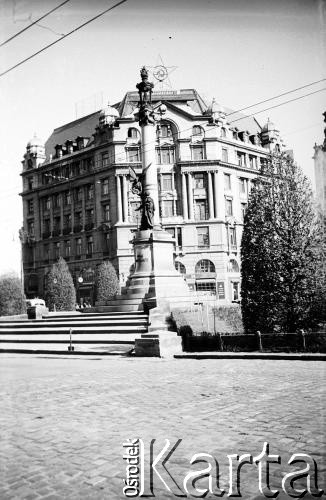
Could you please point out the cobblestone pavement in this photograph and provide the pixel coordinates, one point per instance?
(63, 421)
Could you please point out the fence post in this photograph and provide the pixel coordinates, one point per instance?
(207, 317)
(70, 346)
(303, 339)
(221, 342)
(260, 345)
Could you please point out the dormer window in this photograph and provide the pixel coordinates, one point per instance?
(133, 133)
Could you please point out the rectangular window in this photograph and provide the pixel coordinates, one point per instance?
(243, 210)
(90, 192)
(241, 159)
(79, 194)
(105, 159)
(106, 213)
(105, 187)
(203, 237)
(46, 225)
(167, 182)
(46, 203)
(78, 221)
(200, 210)
(31, 228)
(179, 236)
(89, 219)
(67, 248)
(57, 250)
(227, 182)
(167, 208)
(206, 286)
(67, 198)
(67, 221)
(78, 246)
(243, 185)
(46, 253)
(253, 162)
(133, 155)
(107, 242)
(56, 201)
(56, 226)
(228, 208)
(30, 207)
(233, 237)
(198, 153)
(235, 291)
(199, 181)
(90, 245)
(225, 157)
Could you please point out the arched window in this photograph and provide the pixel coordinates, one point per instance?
(133, 133)
(233, 266)
(197, 130)
(205, 277)
(180, 267)
(204, 266)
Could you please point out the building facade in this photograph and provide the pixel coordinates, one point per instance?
(77, 201)
(320, 172)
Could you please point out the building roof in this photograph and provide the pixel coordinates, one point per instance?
(188, 101)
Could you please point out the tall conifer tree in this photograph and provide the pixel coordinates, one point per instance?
(281, 250)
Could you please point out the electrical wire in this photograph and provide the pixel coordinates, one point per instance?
(277, 105)
(33, 23)
(277, 96)
(62, 37)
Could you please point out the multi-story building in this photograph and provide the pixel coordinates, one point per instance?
(320, 172)
(77, 201)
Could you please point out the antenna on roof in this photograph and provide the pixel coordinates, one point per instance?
(89, 105)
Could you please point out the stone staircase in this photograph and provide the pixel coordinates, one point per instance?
(91, 333)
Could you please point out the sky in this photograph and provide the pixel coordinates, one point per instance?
(238, 51)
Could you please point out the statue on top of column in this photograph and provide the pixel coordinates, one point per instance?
(145, 89)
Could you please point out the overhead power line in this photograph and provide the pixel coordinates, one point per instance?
(34, 22)
(277, 105)
(63, 36)
(275, 97)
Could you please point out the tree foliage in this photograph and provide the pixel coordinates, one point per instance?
(281, 250)
(12, 298)
(60, 293)
(106, 282)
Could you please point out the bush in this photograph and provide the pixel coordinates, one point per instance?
(231, 315)
(106, 282)
(12, 298)
(60, 293)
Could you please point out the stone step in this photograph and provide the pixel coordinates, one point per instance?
(42, 324)
(61, 337)
(107, 349)
(62, 329)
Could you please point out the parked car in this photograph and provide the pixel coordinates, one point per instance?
(35, 302)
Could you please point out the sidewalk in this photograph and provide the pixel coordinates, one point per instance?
(303, 356)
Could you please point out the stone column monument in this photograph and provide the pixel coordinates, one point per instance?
(155, 276)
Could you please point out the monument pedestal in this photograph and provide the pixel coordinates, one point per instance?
(155, 276)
